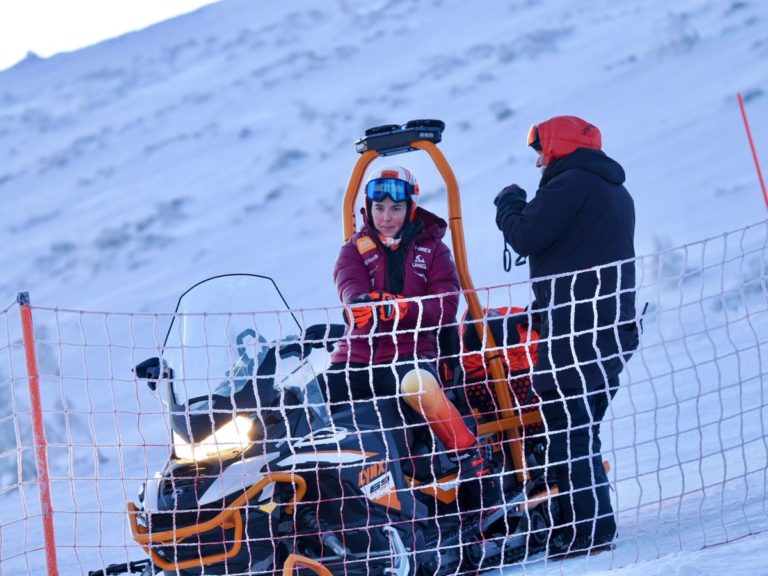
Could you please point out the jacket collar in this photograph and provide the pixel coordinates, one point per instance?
(588, 159)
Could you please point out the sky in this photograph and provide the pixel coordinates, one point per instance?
(47, 27)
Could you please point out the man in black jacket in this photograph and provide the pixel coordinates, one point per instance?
(578, 234)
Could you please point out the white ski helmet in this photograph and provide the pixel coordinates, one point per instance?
(397, 183)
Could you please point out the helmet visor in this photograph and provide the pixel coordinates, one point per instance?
(533, 137)
(379, 188)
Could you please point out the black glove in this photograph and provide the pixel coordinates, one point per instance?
(511, 200)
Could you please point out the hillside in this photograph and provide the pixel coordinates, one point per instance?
(222, 140)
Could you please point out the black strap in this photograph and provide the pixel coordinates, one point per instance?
(642, 316)
(507, 258)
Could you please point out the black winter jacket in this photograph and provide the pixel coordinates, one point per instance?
(581, 218)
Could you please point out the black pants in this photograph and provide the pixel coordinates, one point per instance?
(575, 462)
(376, 391)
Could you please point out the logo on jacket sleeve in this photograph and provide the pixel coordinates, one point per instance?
(365, 244)
(419, 262)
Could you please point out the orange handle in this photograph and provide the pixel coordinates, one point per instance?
(294, 560)
(228, 517)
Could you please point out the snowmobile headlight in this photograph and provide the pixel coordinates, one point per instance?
(230, 439)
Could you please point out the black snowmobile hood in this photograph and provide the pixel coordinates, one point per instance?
(589, 160)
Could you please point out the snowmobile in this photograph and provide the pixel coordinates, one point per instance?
(264, 478)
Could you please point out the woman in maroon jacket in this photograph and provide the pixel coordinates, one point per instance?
(400, 284)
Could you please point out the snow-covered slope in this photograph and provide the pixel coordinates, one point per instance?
(222, 141)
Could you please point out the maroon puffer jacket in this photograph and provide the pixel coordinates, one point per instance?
(429, 270)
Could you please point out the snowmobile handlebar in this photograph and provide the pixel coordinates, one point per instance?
(316, 336)
(323, 335)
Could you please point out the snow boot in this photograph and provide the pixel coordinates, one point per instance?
(480, 489)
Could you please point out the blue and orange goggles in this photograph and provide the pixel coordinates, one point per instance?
(379, 188)
(533, 137)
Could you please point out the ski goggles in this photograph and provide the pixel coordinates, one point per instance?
(533, 137)
(379, 188)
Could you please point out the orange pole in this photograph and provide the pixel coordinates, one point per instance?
(38, 430)
(473, 302)
(353, 187)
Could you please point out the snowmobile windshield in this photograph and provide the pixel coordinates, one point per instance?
(234, 350)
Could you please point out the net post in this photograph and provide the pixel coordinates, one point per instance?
(38, 428)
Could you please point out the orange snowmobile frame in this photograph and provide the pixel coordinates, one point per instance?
(295, 560)
(228, 518)
(424, 135)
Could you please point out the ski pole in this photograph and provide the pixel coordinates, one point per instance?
(752, 146)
